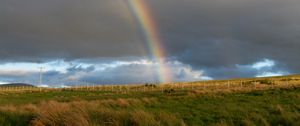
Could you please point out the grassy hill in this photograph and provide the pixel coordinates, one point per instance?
(17, 85)
(249, 101)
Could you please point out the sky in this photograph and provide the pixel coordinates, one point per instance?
(146, 41)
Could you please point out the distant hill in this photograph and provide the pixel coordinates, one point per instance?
(17, 85)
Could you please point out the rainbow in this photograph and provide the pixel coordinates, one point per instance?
(144, 17)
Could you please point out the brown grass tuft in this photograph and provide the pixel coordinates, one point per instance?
(122, 102)
(141, 118)
(55, 114)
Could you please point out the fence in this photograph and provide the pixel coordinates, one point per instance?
(205, 85)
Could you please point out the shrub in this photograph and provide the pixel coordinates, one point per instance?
(266, 81)
(150, 85)
(169, 91)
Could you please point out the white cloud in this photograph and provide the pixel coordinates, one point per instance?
(266, 63)
(116, 64)
(271, 74)
(58, 65)
(58, 73)
(263, 68)
(43, 85)
(140, 71)
(16, 73)
(2, 82)
(183, 72)
(53, 86)
(61, 73)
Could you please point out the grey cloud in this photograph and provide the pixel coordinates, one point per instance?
(36, 29)
(144, 73)
(214, 35)
(14, 73)
(246, 70)
(125, 74)
(79, 68)
(51, 73)
(222, 33)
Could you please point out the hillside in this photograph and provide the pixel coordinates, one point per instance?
(17, 85)
(242, 102)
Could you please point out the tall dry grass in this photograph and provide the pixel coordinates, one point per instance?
(61, 114)
(96, 113)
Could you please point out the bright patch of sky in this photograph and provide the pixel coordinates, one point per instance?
(43, 85)
(264, 68)
(266, 63)
(57, 65)
(60, 73)
(259, 65)
(272, 74)
(2, 82)
(114, 70)
(116, 64)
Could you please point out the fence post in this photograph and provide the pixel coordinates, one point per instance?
(228, 84)
(241, 84)
(152, 87)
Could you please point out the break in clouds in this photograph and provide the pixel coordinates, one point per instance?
(99, 41)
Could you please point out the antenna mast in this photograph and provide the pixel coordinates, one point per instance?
(41, 75)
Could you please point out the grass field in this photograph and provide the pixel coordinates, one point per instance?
(259, 101)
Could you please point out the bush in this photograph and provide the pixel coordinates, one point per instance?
(169, 91)
(150, 85)
(266, 81)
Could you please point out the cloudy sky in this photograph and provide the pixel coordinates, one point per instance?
(101, 42)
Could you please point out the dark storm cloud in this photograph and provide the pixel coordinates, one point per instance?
(66, 29)
(214, 35)
(223, 33)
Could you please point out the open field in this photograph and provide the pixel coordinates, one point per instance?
(259, 101)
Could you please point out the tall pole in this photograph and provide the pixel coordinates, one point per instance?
(41, 75)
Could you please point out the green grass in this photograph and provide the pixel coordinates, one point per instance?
(14, 119)
(193, 107)
(270, 107)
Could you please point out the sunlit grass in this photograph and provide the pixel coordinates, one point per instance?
(271, 101)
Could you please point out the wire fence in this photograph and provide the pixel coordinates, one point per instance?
(168, 88)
